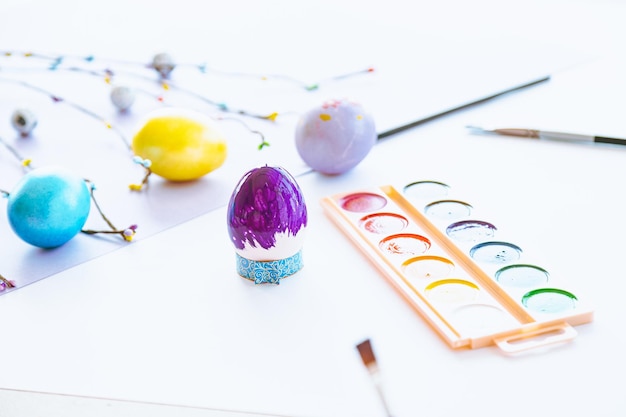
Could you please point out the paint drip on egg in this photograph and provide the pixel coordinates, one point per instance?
(267, 218)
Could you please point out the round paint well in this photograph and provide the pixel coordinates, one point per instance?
(427, 267)
(405, 244)
(448, 209)
(495, 252)
(363, 202)
(426, 190)
(384, 223)
(549, 300)
(471, 230)
(452, 291)
(522, 276)
(481, 317)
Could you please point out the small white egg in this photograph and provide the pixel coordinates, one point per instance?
(122, 97)
(24, 121)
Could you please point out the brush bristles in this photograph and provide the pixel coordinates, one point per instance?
(369, 360)
(366, 352)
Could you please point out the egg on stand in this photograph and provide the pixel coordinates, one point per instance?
(267, 219)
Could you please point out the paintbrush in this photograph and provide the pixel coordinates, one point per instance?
(369, 360)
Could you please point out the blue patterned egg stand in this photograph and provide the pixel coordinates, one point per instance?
(269, 272)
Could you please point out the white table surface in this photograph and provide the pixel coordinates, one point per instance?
(166, 320)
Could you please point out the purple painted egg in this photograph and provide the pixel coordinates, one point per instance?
(334, 137)
(266, 219)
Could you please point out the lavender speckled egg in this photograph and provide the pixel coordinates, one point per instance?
(266, 219)
(334, 137)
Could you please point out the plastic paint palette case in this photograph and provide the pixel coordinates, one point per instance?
(474, 289)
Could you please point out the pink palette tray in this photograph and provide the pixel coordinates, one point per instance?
(474, 289)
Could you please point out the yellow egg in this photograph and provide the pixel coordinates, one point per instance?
(182, 144)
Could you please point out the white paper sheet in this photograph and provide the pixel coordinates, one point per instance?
(418, 72)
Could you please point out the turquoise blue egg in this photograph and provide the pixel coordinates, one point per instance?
(48, 206)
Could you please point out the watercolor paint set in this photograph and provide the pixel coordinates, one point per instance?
(473, 288)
